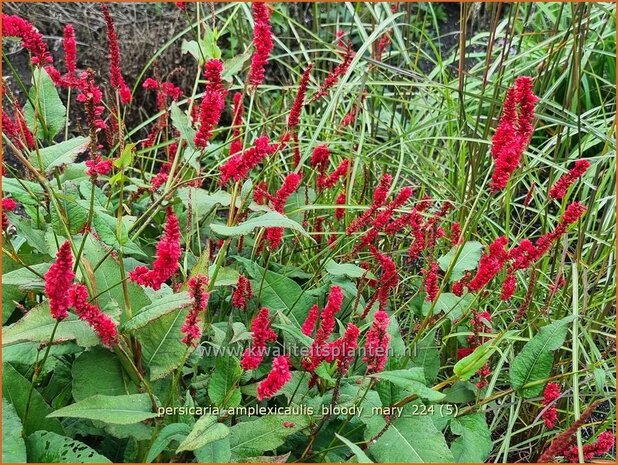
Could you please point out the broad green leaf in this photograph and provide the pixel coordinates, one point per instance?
(222, 388)
(159, 308)
(468, 259)
(180, 120)
(469, 365)
(409, 439)
(278, 292)
(170, 433)
(205, 430)
(474, 442)
(427, 356)
(361, 457)
(234, 65)
(50, 110)
(126, 157)
(25, 279)
(48, 447)
(535, 360)
(251, 438)
(450, 304)
(119, 410)
(62, 153)
(413, 380)
(15, 389)
(13, 446)
(347, 269)
(37, 326)
(162, 349)
(72, 213)
(23, 191)
(271, 219)
(110, 379)
(214, 452)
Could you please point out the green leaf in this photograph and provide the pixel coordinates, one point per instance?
(162, 349)
(15, 389)
(48, 447)
(469, 365)
(361, 457)
(412, 379)
(347, 269)
(409, 439)
(278, 292)
(468, 259)
(170, 433)
(119, 410)
(222, 388)
(110, 379)
(63, 153)
(255, 437)
(37, 326)
(24, 192)
(451, 305)
(159, 308)
(205, 430)
(214, 452)
(180, 120)
(474, 442)
(25, 279)
(50, 109)
(13, 446)
(234, 65)
(271, 219)
(535, 360)
(72, 211)
(126, 157)
(427, 356)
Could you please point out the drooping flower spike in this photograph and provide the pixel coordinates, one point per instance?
(262, 333)
(277, 378)
(101, 323)
(242, 293)
(213, 102)
(559, 190)
(550, 394)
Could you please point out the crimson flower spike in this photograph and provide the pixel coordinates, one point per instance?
(262, 41)
(116, 79)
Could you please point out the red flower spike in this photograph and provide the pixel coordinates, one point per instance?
(509, 286)
(262, 42)
(559, 190)
(8, 205)
(336, 74)
(329, 181)
(58, 280)
(342, 350)
(432, 286)
(191, 327)
(70, 56)
(376, 345)
(601, 446)
(320, 157)
(299, 101)
(289, 186)
(379, 197)
(455, 234)
(116, 79)
(242, 293)
(101, 323)
(550, 395)
(239, 165)
(340, 200)
(490, 264)
(327, 325)
(262, 333)
(388, 280)
(237, 112)
(31, 39)
(213, 102)
(166, 262)
(277, 378)
(312, 318)
(514, 131)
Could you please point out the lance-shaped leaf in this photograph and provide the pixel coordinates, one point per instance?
(206, 430)
(271, 219)
(118, 410)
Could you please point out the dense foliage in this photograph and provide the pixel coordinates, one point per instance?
(351, 239)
